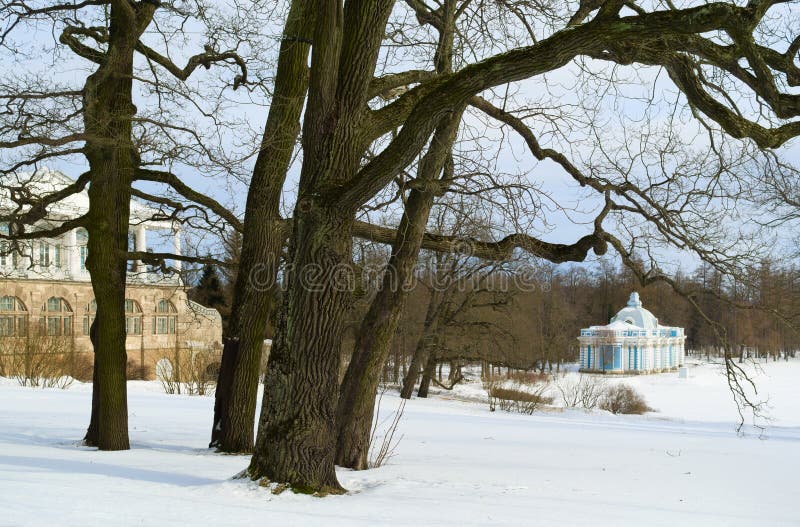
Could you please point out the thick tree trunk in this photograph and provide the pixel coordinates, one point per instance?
(296, 441)
(108, 111)
(256, 282)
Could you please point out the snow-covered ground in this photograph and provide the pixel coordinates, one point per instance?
(457, 464)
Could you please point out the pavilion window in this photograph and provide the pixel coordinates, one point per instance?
(44, 254)
(4, 246)
(57, 256)
(88, 318)
(82, 237)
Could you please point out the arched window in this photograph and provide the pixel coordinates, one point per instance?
(82, 236)
(166, 318)
(56, 317)
(13, 317)
(133, 317)
(88, 318)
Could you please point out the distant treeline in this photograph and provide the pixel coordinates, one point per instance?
(538, 327)
(466, 310)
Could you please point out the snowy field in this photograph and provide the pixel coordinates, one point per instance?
(457, 464)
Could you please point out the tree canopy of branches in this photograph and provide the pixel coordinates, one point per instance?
(93, 117)
(297, 426)
(391, 88)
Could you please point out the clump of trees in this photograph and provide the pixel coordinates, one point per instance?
(395, 106)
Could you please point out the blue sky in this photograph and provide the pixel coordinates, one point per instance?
(642, 98)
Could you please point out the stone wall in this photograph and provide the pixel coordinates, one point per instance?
(190, 327)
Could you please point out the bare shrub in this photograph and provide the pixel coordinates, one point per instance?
(199, 371)
(38, 361)
(190, 372)
(166, 373)
(623, 399)
(527, 377)
(82, 367)
(5, 363)
(136, 371)
(583, 391)
(380, 453)
(515, 396)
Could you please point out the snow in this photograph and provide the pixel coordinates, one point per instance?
(457, 463)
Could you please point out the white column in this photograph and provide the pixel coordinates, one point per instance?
(140, 244)
(73, 253)
(176, 242)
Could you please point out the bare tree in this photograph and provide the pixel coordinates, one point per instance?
(297, 428)
(95, 119)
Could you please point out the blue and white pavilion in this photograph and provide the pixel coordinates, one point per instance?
(633, 342)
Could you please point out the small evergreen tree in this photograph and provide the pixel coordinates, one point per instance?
(208, 290)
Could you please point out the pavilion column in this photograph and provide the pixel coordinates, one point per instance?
(73, 253)
(176, 242)
(140, 244)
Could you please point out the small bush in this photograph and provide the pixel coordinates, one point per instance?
(380, 452)
(83, 367)
(135, 371)
(583, 391)
(622, 399)
(517, 397)
(191, 372)
(527, 377)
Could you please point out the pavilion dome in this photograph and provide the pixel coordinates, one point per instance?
(635, 314)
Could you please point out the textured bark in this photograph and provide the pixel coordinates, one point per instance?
(296, 441)
(108, 111)
(256, 281)
(374, 338)
(297, 428)
(92, 436)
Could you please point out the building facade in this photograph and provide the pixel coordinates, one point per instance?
(633, 342)
(45, 288)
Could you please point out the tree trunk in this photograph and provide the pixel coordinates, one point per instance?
(427, 375)
(396, 365)
(108, 113)
(256, 282)
(414, 370)
(424, 344)
(373, 342)
(92, 436)
(296, 441)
